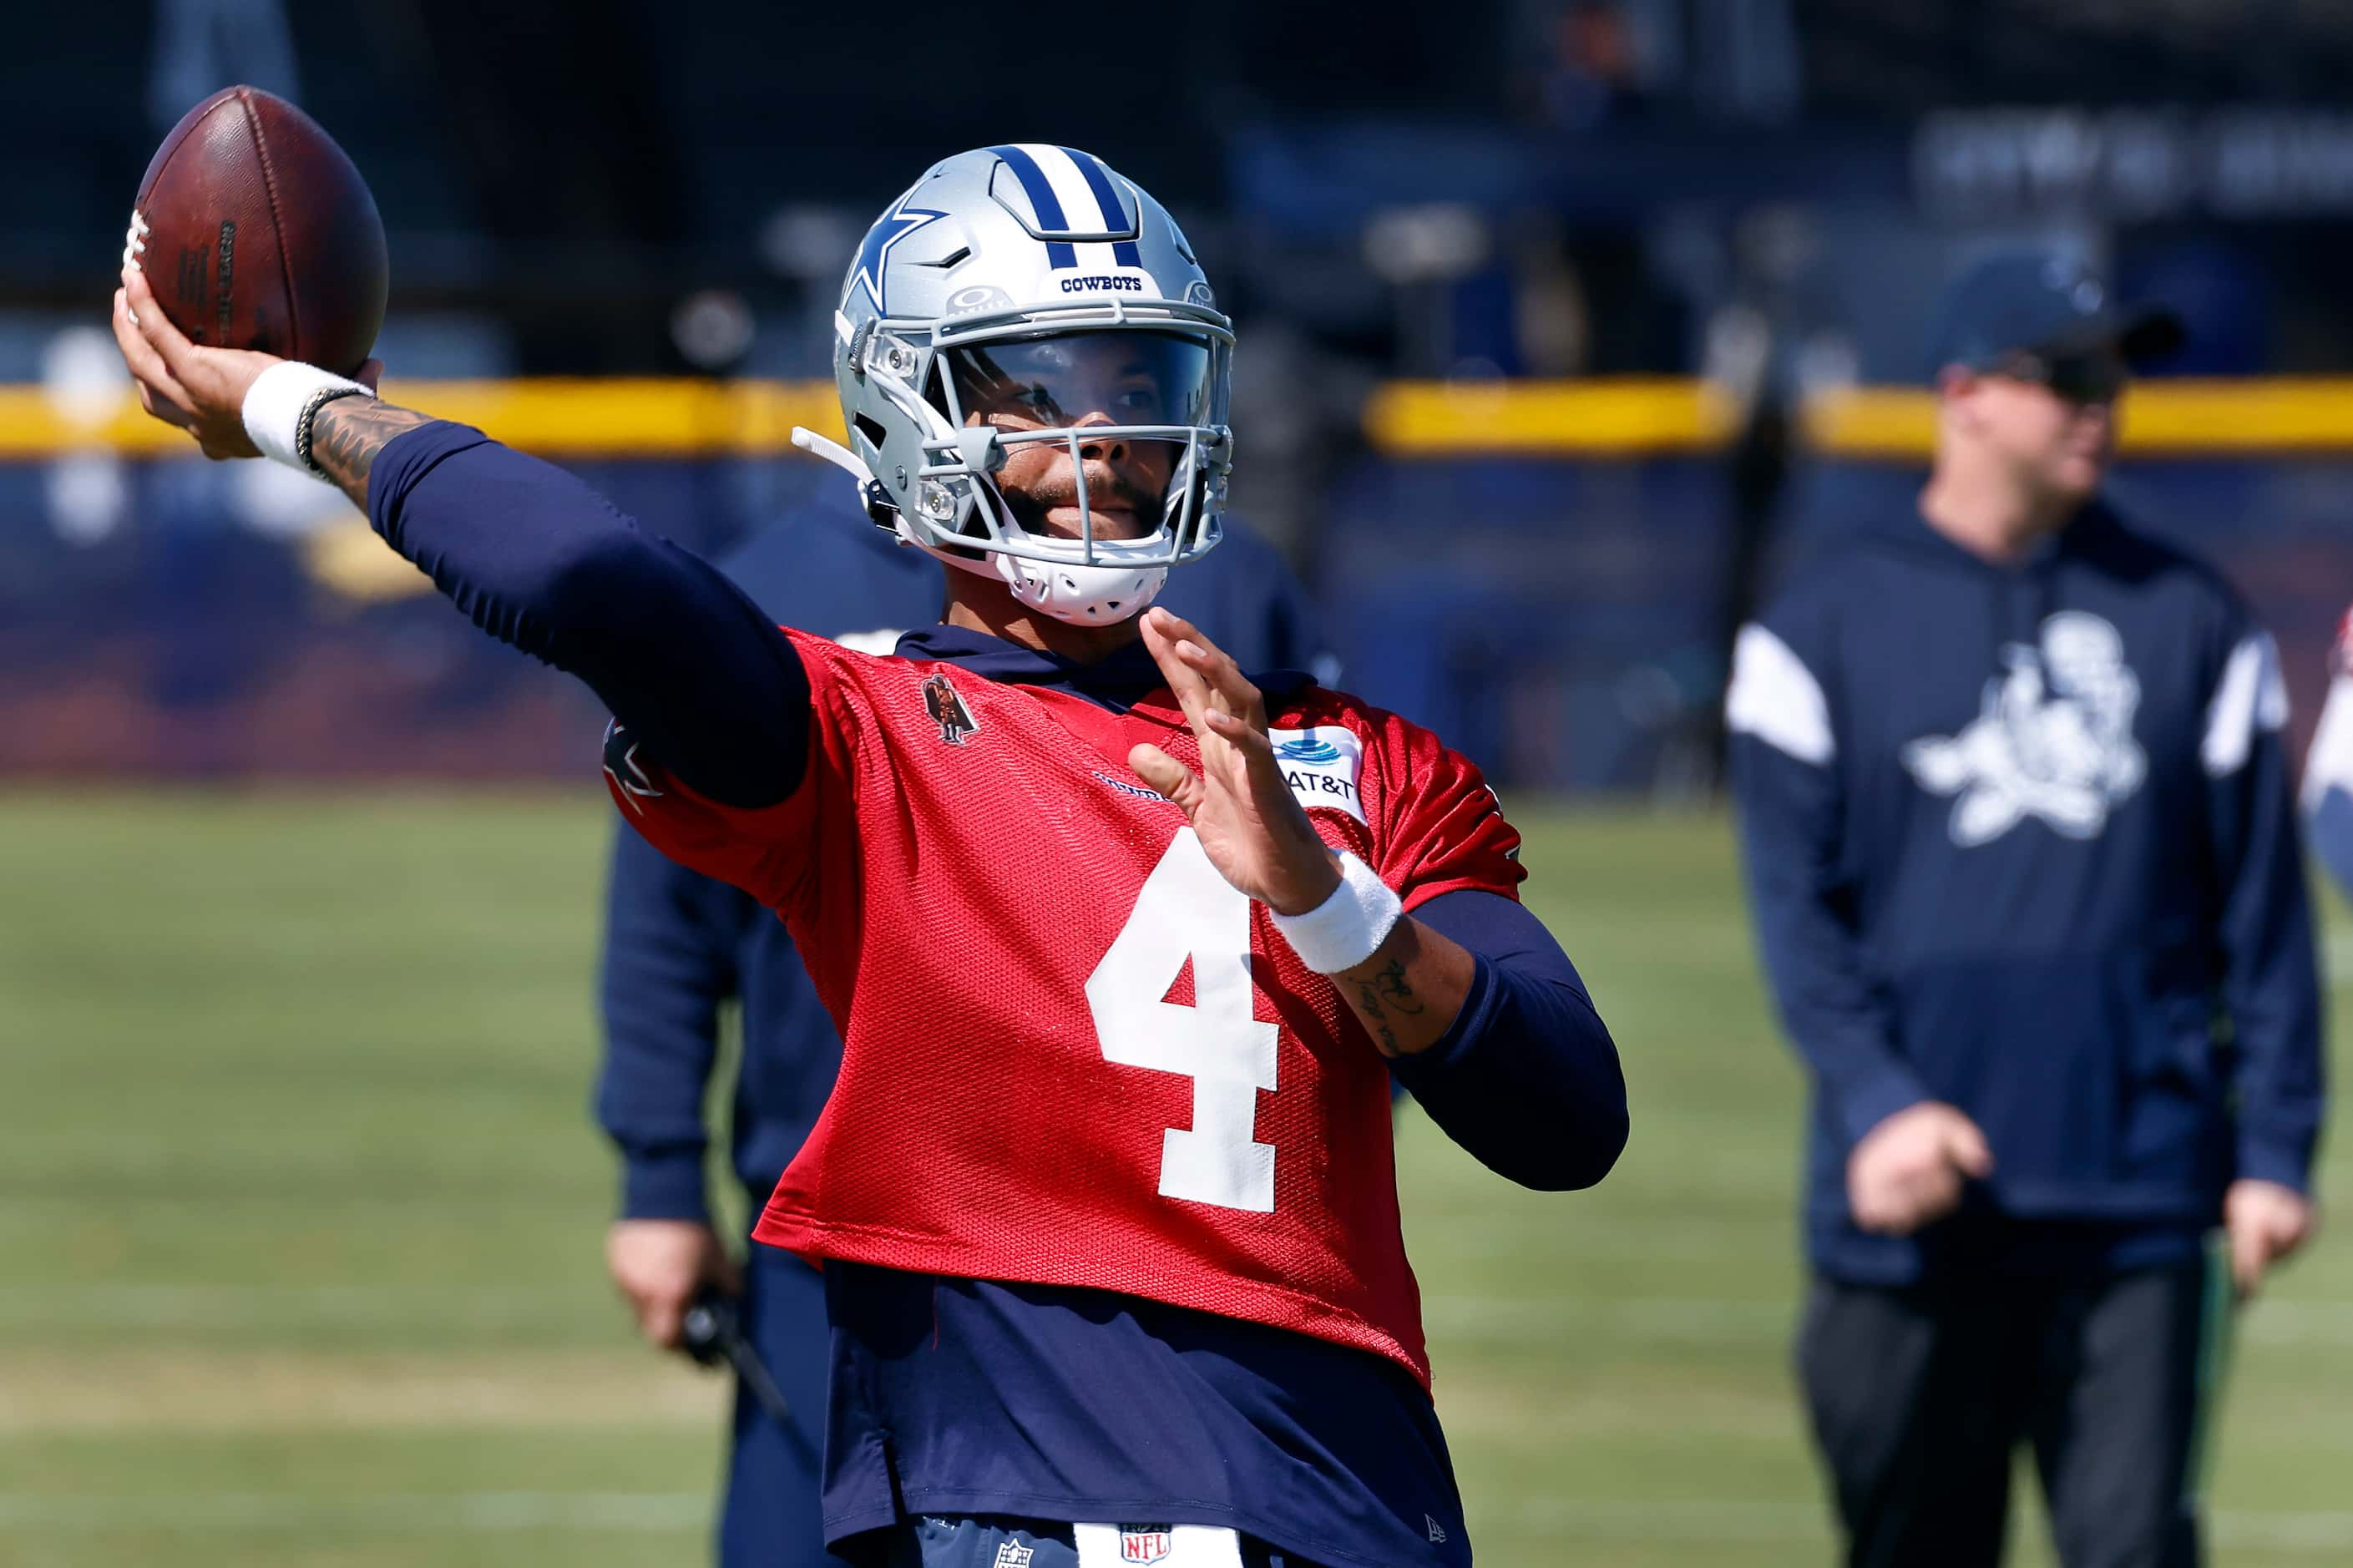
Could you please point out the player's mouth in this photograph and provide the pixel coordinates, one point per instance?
(1113, 521)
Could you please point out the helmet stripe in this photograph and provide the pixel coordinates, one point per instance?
(1114, 215)
(1042, 202)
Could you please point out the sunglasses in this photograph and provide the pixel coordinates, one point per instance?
(2083, 379)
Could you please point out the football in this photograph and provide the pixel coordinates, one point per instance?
(256, 232)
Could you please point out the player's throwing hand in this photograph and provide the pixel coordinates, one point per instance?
(1253, 828)
(201, 390)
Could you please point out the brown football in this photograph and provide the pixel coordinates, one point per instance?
(257, 233)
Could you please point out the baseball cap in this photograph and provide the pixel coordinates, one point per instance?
(2040, 303)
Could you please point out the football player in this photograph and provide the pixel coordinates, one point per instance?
(680, 947)
(1125, 945)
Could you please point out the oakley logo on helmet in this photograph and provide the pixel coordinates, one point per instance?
(979, 297)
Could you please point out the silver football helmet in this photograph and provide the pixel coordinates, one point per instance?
(1024, 297)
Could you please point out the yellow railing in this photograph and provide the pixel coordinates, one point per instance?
(1612, 418)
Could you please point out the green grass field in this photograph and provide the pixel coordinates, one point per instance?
(300, 1221)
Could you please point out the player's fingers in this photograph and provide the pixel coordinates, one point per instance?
(169, 342)
(1172, 625)
(1195, 647)
(1244, 733)
(146, 366)
(156, 408)
(1173, 779)
(1230, 688)
(1245, 748)
(1191, 691)
(370, 373)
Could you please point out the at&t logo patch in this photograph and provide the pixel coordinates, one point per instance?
(1322, 766)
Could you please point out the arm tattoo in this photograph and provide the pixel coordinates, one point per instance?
(1391, 983)
(348, 433)
(1381, 993)
(1369, 1008)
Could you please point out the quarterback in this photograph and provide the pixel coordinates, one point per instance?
(1125, 944)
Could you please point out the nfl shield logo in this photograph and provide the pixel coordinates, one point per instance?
(1149, 1544)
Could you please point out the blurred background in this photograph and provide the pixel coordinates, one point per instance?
(1562, 324)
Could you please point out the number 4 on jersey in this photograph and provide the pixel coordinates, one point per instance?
(1188, 910)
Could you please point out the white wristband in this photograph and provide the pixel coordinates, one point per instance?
(276, 402)
(1347, 928)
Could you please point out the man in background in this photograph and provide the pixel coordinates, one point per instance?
(680, 947)
(2025, 872)
(2329, 766)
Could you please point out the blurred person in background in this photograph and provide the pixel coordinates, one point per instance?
(2329, 767)
(680, 947)
(2025, 872)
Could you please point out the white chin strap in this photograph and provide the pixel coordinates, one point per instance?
(1082, 595)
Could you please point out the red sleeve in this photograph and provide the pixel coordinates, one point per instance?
(1442, 829)
(767, 851)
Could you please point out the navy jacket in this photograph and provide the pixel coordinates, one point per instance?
(2022, 840)
(680, 947)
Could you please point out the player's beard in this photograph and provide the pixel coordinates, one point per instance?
(1030, 507)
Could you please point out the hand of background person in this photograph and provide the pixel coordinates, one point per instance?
(2266, 1223)
(660, 1265)
(1908, 1170)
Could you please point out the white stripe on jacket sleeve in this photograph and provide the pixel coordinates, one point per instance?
(2250, 697)
(2329, 764)
(1775, 698)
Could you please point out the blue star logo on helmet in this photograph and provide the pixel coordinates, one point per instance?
(889, 229)
(1308, 749)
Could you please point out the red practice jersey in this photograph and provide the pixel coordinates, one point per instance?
(1073, 1053)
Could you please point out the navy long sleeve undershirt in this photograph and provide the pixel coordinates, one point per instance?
(1527, 1080)
(677, 652)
